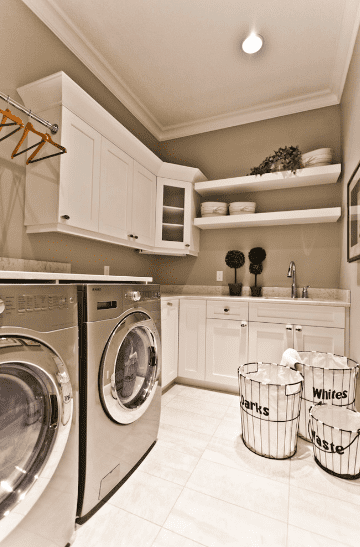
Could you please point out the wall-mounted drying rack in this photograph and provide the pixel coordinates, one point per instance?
(14, 120)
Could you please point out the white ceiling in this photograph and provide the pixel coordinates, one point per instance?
(177, 65)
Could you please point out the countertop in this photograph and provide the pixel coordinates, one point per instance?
(8, 276)
(317, 296)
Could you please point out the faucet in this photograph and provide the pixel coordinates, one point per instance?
(291, 273)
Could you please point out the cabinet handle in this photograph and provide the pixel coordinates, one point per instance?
(298, 328)
(289, 327)
(169, 303)
(65, 217)
(243, 323)
(226, 310)
(187, 244)
(136, 237)
(130, 235)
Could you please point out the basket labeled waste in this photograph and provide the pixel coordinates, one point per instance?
(335, 435)
(329, 379)
(270, 408)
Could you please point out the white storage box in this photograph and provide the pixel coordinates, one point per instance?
(270, 408)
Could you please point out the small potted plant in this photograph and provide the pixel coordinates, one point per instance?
(235, 259)
(256, 256)
(283, 159)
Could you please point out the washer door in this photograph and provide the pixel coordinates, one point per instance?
(130, 368)
(35, 417)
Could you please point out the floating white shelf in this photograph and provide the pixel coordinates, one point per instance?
(310, 176)
(279, 218)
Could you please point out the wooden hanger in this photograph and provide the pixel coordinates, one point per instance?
(50, 141)
(7, 114)
(29, 127)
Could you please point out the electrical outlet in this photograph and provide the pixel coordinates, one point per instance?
(219, 276)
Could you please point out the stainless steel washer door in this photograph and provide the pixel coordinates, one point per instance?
(36, 408)
(130, 368)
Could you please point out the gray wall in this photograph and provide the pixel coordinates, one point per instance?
(31, 51)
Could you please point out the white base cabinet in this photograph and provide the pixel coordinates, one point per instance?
(169, 340)
(192, 335)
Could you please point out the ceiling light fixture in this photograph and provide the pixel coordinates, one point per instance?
(252, 43)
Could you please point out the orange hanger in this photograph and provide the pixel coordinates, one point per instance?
(7, 114)
(29, 127)
(50, 141)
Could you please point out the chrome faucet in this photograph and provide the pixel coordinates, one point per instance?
(292, 273)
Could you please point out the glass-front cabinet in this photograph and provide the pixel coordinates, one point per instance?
(176, 208)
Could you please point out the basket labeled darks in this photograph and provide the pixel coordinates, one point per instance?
(335, 434)
(270, 408)
(329, 379)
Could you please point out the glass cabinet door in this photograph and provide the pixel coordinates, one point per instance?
(173, 222)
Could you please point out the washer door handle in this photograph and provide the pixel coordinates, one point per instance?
(2, 306)
(152, 360)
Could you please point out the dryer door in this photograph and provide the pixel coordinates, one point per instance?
(130, 368)
(35, 418)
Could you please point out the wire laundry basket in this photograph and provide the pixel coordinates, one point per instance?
(335, 434)
(329, 379)
(270, 408)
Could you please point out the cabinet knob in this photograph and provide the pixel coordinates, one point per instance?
(298, 328)
(131, 235)
(289, 327)
(187, 244)
(65, 217)
(243, 323)
(136, 237)
(226, 310)
(169, 303)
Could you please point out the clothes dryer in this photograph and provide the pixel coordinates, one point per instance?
(38, 415)
(120, 393)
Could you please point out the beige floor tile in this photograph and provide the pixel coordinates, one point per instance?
(235, 454)
(332, 518)
(233, 413)
(189, 420)
(308, 475)
(146, 496)
(169, 539)
(169, 464)
(302, 538)
(207, 395)
(113, 527)
(215, 523)
(241, 488)
(183, 440)
(170, 394)
(204, 408)
(228, 429)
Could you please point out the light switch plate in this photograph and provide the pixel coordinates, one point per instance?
(219, 276)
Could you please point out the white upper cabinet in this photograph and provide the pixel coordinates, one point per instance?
(105, 186)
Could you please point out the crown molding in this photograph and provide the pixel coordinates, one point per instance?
(54, 18)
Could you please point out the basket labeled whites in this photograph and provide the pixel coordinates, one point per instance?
(322, 156)
(214, 208)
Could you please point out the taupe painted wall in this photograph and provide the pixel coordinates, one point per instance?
(350, 272)
(31, 51)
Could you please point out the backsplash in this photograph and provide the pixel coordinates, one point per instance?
(22, 265)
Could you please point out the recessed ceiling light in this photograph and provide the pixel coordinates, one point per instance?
(252, 43)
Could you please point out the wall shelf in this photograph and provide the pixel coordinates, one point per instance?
(279, 218)
(310, 176)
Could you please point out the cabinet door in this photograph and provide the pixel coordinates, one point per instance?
(117, 169)
(268, 341)
(173, 214)
(226, 350)
(143, 206)
(192, 322)
(324, 339)
(169, 340)
(80, 173)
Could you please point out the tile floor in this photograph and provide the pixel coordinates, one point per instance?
(200, 486)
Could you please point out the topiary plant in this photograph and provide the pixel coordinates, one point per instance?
(235, 259)
(256, 256)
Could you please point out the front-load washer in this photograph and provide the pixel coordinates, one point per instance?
(38, 415)
(120, 393)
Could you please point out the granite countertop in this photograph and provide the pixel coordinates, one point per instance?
(317, 296)
(6, 276)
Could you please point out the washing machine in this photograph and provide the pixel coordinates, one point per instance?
(38, 415)
(120, 393)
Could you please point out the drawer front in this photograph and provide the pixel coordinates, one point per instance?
(313, 315)
(227, 309)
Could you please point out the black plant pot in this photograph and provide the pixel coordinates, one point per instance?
(235, 289)
(256, 291)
